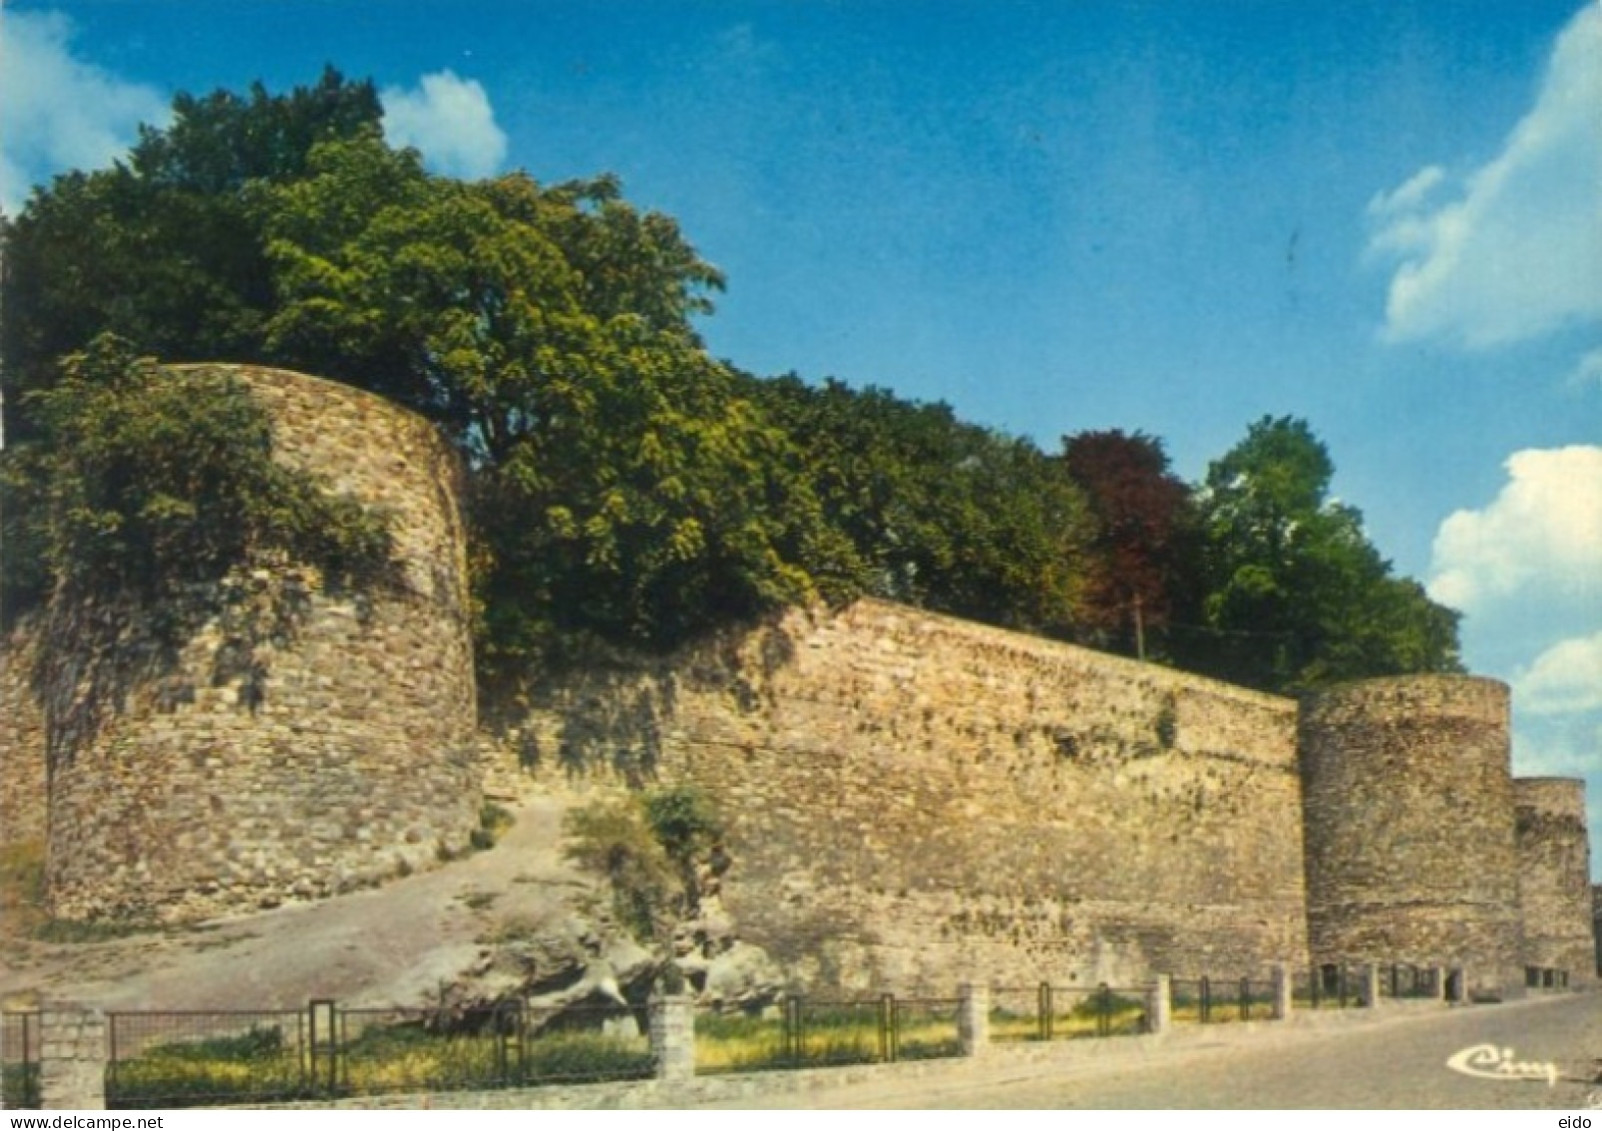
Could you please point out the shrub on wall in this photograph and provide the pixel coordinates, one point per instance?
(650, 847)
(153, 480)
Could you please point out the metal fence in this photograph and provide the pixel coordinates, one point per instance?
(816, 1033)
(1212, 1000)
(1545, 978)
(326, 1051)
(19, 1060)
(1400, 982)
(1330, 986)
(1048, 1013)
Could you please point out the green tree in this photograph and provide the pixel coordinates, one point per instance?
(621, 486)
(162, 249)
(1295, 595)
(936, 512)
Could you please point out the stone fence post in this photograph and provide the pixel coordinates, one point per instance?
(973, 1018)
(673, 1038)
(72, 1057)
(1159, 1004)
(1438, 982)
(1371, 984)
(1284, 986)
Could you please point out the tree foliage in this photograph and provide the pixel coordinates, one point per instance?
(623, 485)
(1295, 595)
(1144, 534)
(936, 512)
(161, 249)
(153, 479)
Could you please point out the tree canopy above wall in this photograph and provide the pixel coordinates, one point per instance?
(624, 486)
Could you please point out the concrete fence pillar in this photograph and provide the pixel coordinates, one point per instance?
(1371, 984)
(72, 1057)
(1159, 1005)
(1284, 986)
(1438, 982)
(973, 1018)
(673, 1037)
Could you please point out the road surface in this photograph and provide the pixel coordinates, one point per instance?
(1375, 1062)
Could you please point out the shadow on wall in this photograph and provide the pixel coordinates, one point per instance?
(610, 713)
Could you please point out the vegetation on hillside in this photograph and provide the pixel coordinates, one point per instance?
(623, 485)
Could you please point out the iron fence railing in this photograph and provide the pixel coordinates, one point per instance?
(325, 1051)
(19, 1060)
(1210, 1000)
(1328, 986)
(1046, 1012)
(1400, 981)
(189, 1058)
(806, 1032)
(1545, 978)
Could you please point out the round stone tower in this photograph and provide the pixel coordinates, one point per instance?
(1554, 858)
(294, 741)
(1409, 826)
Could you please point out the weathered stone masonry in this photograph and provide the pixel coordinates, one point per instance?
(914, 796)
(331, 749)
(1411, 854)
(913, 800)
(1554, 875)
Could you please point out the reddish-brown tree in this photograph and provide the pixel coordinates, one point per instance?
(1141, 513)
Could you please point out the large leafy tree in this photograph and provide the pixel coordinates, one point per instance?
(1143, 535)
(620, 484)
(1295, 595)
(938, 513)
(161, 248)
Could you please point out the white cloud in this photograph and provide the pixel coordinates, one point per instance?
(1411, 195)
(1567, 746)
(1565, 678)
(58, 112)
(1517, 251)
(1588, 371)
(1540, 538)
(450, 121)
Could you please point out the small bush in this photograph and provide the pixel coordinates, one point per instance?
(612, 838)
(493, 820)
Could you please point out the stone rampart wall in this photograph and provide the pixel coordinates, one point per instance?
(1410, 841)
(913, 798)
(1554, 862)
(22, 739)
(298, 741)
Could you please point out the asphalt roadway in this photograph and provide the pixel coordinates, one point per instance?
(1396, 1061)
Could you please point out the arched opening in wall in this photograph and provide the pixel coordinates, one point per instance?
(1454, 985)
(1329, 975)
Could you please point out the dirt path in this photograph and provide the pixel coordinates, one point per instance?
(391, 945)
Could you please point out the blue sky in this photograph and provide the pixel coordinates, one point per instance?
(1175, 217)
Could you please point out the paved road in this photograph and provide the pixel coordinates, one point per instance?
(1395, 1062)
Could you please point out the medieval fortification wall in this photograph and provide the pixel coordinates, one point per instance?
(1411, 854)
(912, 799)
(299, 741)
(1554, 876)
